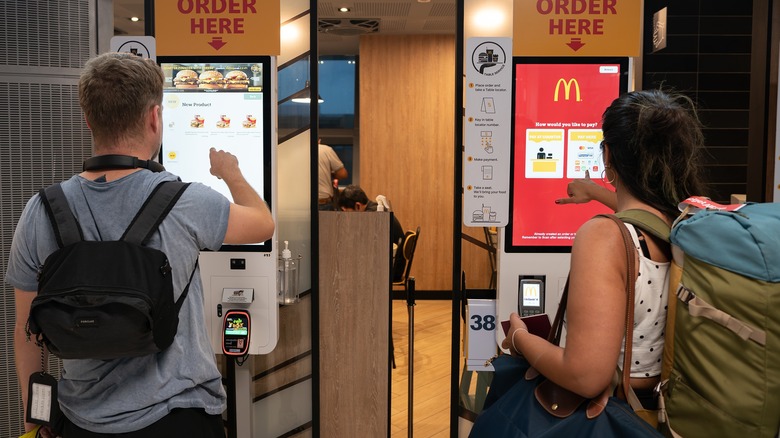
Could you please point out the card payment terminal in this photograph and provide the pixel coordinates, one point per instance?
(530, 299)
(235, 333)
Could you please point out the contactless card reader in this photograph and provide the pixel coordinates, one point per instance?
(530, 299)
(235, 332)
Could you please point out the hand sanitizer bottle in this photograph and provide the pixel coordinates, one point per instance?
(287, 278)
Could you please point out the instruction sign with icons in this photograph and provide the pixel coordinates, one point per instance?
(487, 132)
(143, 46)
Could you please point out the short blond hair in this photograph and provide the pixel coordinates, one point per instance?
(115, 91)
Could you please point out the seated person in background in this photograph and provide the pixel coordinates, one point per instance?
(353, 198)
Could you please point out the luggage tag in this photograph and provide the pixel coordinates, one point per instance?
(42, 405)
(698, 203)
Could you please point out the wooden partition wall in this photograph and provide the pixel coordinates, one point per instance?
(354, 324)
(407, 150)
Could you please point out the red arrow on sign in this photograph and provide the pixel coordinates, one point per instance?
(575, 44)
(217, 43)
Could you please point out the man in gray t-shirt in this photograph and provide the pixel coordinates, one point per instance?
(178, 389)
(330, 168)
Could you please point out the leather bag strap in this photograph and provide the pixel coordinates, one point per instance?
(622, 380)
(597, 405)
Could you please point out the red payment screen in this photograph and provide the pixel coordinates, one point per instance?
(557, 137)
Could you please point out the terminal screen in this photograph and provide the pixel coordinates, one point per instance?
(224, 104)
(556, 136)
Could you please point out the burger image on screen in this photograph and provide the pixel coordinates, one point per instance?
(223, 122)
(197, 122)
(250, 121)
(236, 79)
(211, 79)
(186, 79)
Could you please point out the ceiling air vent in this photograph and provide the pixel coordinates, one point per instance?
(348, 26)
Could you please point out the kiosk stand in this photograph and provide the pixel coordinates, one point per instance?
(228, 103)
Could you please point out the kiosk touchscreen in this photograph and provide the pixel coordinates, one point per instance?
(557, 107)
(556, 136)
(227, 103)
(221, 103)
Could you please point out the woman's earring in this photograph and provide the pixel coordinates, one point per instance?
(604, 174)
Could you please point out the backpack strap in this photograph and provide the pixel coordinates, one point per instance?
(699, 307)
(150, 216)
(647, 221)
(154, 210)
(183, 295)
(66, 227)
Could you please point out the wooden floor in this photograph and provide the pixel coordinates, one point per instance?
(432, 339)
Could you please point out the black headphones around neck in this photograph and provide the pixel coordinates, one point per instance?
(101, 162)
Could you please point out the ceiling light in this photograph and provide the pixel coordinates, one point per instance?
(489, 18)
(305, 96)
(134, 19)
(343, 9)
(289, 32)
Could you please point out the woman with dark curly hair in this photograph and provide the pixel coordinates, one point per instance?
(651, 148)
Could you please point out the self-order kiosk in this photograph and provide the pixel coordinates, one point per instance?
(227, 103)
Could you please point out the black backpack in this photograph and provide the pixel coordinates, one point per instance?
(107, 299)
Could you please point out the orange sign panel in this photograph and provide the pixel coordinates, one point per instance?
(216, 27)
(577, 27)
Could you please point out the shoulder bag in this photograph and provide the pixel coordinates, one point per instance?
(523, 403)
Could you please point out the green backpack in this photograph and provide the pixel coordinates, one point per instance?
(721, 373)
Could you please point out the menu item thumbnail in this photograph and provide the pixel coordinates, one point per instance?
(250, 122)
(211, 79)
(197, 122)
(223, 122)
(186, 79)
(236, 79)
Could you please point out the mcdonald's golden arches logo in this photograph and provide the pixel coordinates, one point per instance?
(567, 89)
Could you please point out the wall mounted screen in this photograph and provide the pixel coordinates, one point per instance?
(224, 103)
(557, 107)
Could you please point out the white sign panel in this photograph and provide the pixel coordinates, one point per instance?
(481, 335)
(487, 132)
(143, 46)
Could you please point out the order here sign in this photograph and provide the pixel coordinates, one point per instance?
(217, 27)
(577, 27)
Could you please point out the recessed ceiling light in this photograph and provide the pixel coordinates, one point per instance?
(343, 9)
(135, 19)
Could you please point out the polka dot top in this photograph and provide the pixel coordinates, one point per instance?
(650, 302)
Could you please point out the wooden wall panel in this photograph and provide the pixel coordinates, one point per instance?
(290, 361)
(407, 101)
(354, 324)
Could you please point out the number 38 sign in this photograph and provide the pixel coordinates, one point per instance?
(480, 341)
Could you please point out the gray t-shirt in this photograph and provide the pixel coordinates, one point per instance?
(329, 163)
(123, 395)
